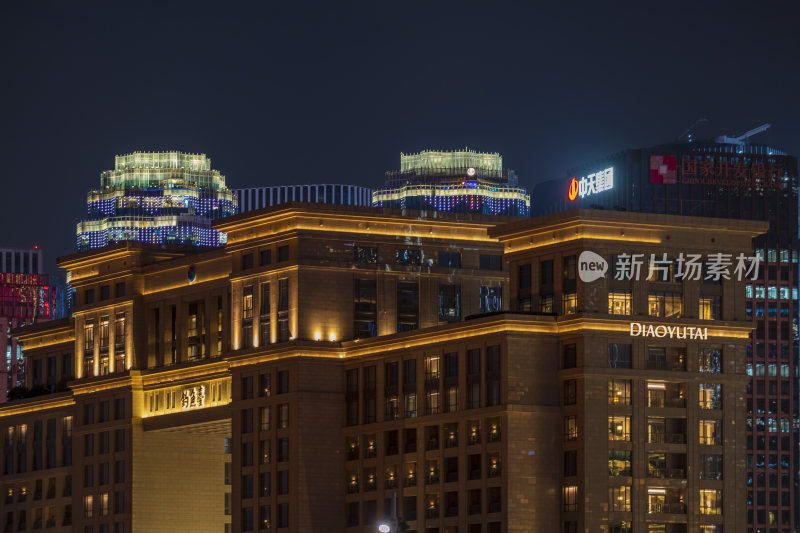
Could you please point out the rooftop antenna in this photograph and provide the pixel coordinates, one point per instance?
(690, 128)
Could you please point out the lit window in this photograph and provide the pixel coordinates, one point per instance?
(710, 308)
(710, 396)
(619, 462)
(619, 303)
(569, 498)
(570, 303)
(665, 304)
(570, 428)
(710, 501)
(619, 498)
(619, 428)
(619, 392)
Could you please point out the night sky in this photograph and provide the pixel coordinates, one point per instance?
(332, 92)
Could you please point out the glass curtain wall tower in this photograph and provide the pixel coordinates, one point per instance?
(157, 197)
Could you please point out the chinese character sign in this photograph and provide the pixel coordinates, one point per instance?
(693, 267)
(590, 184)
(729, 172)
(193, 397)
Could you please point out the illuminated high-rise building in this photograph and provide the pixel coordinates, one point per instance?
(462, 181)
(27, 295)
(729, 177)
(157, 197)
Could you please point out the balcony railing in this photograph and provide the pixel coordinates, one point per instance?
(670, 508)
(667, 402)
(667, 473)
(667, 438)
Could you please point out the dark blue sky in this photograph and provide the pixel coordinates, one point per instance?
(315, 92)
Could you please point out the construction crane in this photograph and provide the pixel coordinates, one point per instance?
(742, 139)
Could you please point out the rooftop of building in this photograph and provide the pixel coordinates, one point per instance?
(354, 213)
(155, 252)
(162, 169)
(170, 159)
(623, 225)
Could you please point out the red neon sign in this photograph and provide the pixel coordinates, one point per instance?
(572, 192)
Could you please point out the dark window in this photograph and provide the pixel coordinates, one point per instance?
(247, 261)
(405, 256)
(88, 445)
(570, 463)
(283, 310)
(247, 487)
(369, 394)
(105, 292)
(569, 263)
(407, 306)
(283, 449)
(119, 502)
(119, 475)
(119, 408)
(283, 482)
(88, 296)
(120, 289)
(283, 382)
(247, 421)
(570, 357)
(570, 392)
(450, 259)
(491, 262)
(283, 253)
(491, 299)
(449, 303)
(451, 365)
(247, 387)
(473, 379)
(547, 272)
(619, 356)
(247, 519)
(365, 301)
(283, 515)
(265, 307)
(88, 413)
(351, 514)
(247, 454)
(365, 254)
(524, 272)
(266, 257)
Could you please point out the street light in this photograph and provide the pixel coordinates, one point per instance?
(384, 528)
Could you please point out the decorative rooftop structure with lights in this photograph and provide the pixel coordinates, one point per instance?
(157, 197)
(461, 181)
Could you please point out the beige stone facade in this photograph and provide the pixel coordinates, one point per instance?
(331, 357)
